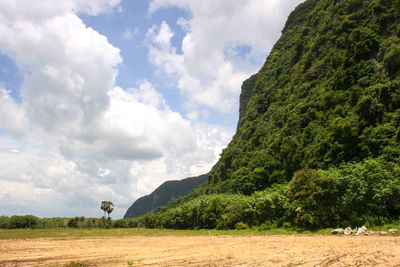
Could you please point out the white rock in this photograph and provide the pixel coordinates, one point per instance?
(383, 233)
(349, 231)
(362, 230)
(392, 231)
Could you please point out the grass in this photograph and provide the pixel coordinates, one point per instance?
(98, 232)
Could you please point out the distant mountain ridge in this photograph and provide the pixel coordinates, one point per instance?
(165, 193)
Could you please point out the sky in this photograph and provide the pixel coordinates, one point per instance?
(107, 99)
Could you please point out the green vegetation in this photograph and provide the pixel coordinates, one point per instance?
(166, 192)
(33, 222)
(352, 194)
(318, 139)
(81, 233)
(27, 221)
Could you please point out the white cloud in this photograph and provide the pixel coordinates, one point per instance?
(217, 86)
(81, 139)
(136, 145)
(42, 10)
(211, 67)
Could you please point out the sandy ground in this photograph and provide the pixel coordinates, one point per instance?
(280, 250)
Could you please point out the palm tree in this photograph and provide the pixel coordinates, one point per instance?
(107, 207)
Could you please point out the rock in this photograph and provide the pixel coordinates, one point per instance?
(349, 231)
(362, 230)
(383, 233)
(337, 231)
(392, 231)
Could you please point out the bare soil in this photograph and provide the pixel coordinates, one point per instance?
(279, 250)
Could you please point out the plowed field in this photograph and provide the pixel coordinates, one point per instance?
(279, 250)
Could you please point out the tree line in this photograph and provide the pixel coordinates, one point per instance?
(33, 222)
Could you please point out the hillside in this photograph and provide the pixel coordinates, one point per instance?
(165, 193)
(326, 95)
(318, 138)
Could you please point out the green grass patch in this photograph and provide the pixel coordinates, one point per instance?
(97, 232)
(80, 233)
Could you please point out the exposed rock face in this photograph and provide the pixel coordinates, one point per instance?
(392, 231)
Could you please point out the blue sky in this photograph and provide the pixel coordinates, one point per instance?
(107, 99)
(135, 19)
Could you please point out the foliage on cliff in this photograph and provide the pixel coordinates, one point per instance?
(318, 139)
(327, 94)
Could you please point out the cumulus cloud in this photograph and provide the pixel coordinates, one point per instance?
(223, 44)
(40, 181)
(88, 140)
(136, 145)
(216, 86)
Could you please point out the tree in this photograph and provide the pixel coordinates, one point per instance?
(107, 207)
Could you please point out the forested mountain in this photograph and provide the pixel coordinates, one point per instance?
(318, 138)
(166, 192)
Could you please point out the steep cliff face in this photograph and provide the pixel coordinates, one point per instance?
(318, 138)
(327, 94)
(165, 193)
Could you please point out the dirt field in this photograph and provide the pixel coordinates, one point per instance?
(280, 250)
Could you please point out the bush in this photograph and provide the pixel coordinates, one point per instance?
(363, 43)
(241, 226)
(391, 61)
(313, 199)
(266, 226)
(286, 225)
(372, 191)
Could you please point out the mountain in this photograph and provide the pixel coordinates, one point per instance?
(318, 137)
(322, 98)
(165, 193)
